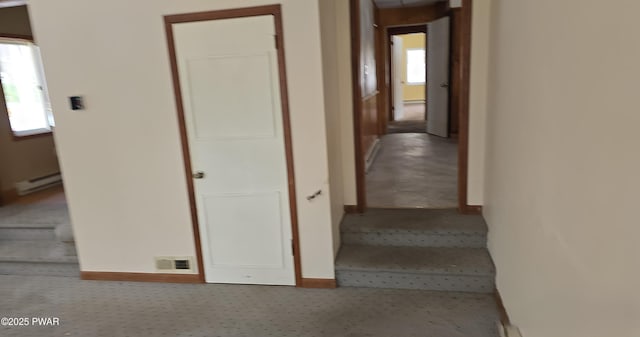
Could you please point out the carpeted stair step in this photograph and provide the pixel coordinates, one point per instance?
(50, 258)
(32, 232)
(414, 228)
(426, 268)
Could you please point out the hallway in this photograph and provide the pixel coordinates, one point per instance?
(414, 171)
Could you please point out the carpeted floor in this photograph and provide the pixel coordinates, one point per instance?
(36, 236)
(34, 214)
(47, 207)
(414, 170)
(114, 309)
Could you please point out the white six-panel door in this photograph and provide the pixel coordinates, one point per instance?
(228, 71)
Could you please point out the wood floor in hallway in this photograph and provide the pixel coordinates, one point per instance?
(414, 170)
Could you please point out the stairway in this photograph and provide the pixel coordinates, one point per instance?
(428, 249)
(37, 240)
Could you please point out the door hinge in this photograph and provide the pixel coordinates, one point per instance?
(275, 37)
(293, 248)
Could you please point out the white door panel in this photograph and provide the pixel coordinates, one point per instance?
(212, 101)
(397, 74)
(228, 72)
(230, 245)
(438, 77)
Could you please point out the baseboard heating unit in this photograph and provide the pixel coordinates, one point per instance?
(36, 184)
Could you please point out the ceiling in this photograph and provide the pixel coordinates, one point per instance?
(404, 3)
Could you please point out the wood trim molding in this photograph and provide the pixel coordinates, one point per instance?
(140, 277)
(407, 16)
(288, 143)
(185, 147)
(407, 30)
(319, 283)
(224, 14)
(276, 12)
(471, 209)
(379, 37)
(463, 108)
(350, 209)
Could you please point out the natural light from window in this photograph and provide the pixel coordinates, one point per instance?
(24, 88)
(416, 70)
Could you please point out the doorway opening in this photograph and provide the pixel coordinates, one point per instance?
(238, 155)
(407, 70)
(418, 158)
(35, 229)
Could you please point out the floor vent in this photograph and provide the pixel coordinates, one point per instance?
(174, 264)
(37, 184)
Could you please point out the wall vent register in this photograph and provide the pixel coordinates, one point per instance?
(174, 264)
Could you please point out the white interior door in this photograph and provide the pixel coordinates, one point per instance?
(397, 74)
(438, 77)
(229, 77)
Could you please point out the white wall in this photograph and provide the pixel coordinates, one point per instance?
(480, 26)
(121, 158)
(478, 100)
(345, 86)
(329, 33)
(336, 54)
(562, 165)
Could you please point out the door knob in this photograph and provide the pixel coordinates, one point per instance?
(198, 175)
(444, 85)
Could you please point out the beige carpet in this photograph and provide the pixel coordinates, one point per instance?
(121, 309)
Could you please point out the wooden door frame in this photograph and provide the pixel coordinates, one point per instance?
(276, 11)
(402, 30)
(461, 95)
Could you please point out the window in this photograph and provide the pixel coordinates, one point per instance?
(25, 91)
(416, 66)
